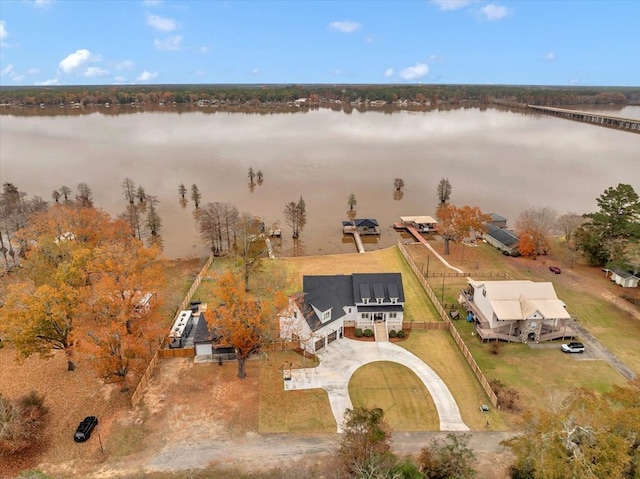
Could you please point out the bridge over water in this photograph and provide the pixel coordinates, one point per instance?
(626, 124)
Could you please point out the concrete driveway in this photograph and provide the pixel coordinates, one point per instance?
(343, 357)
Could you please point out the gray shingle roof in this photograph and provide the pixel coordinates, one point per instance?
(366, 222)
(505, 237)
(337, 291)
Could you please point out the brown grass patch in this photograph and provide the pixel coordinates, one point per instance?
(291, 411)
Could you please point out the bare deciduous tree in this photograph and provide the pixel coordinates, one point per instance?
(534, 226)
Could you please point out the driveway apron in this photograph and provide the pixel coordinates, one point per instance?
(340, 359)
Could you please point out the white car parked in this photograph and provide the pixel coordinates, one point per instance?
(573, 348)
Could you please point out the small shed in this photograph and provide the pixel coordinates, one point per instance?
(625, 279)
(502, 239)
(202, 338)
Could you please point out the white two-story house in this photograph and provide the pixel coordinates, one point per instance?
(318, 315)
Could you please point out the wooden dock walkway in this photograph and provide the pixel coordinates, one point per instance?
(421, 239)
(351, 230)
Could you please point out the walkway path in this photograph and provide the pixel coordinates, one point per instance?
(421, 239)
(340, 359)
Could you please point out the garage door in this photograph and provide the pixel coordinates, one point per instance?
(202, 349)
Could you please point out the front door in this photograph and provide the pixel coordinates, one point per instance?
(378, 317)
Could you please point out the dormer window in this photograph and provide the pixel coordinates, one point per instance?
(365, 300)
(326, 315)
(394, 300)
(379, 300)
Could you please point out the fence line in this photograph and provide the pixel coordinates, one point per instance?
(161, 352)
(450, 327)
(177, 353)
(428, 325)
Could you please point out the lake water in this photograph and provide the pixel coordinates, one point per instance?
(502, 162)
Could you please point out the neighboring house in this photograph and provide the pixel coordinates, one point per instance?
(328, 304)
(518, 311)
(624, 278)
(503, 239)
(365, 226)
(498, 221)
(209, 343)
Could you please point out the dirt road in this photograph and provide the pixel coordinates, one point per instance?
(265, 451)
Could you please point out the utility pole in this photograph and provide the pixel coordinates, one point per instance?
(442, 300)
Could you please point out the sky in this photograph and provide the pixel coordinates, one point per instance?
(94, 42)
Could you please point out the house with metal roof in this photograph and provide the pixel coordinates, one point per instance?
(503, 239)
(327, 304)
(519, 311)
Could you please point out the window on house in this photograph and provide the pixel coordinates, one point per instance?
(394, 300)
(484, 292)
(349, 310)
(365, 300)
(365, 316)
(393, 315)
(326, 315)
(379, 300)
(295, 314)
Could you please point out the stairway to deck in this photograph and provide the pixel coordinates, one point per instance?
(380, 331)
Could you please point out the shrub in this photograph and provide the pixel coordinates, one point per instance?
(21, 422)
(402, 334)
(358, 332)
(508, 398)
(393, 333)
(368, 333)
(495, 348)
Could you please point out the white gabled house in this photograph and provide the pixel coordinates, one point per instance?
(318, 315)
(626, 279)
(520, 311)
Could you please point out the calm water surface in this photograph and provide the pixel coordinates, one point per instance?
(502, 162)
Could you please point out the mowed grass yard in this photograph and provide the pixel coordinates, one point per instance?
(540, 374)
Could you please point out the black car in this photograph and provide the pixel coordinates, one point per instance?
(555, 269)
(83, 432)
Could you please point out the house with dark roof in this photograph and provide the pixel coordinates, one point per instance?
(364, 226)
(503, 239)
(327, 304)
(498, 221)
(209, 342)
(626, 279)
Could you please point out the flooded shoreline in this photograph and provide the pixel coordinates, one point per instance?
(501, 161)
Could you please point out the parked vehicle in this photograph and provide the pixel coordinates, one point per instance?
(83, 432)
(574, 347)
(554, 269)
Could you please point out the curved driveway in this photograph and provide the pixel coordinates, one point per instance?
(343, 357)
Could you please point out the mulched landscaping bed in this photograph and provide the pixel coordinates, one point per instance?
(350, 332)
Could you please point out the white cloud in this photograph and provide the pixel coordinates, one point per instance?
(51, 81)
(6, 70)
(33, 71)
(203, 49)
(494, 12)
(17, 78)
(254, 71)
(147, 76)
(200, 73)
(125, 65)
(416, 72)
(161, 23)
(76, 60)
(345, 26)
(549, 56)
(93, 72)
(120, 79)
(171, 44)
(3, 32)
(389, 72)
(445, 5)
(435, 58)
(151, 3)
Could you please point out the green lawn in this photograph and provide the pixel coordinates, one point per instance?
(394, 388)
(439, 351)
